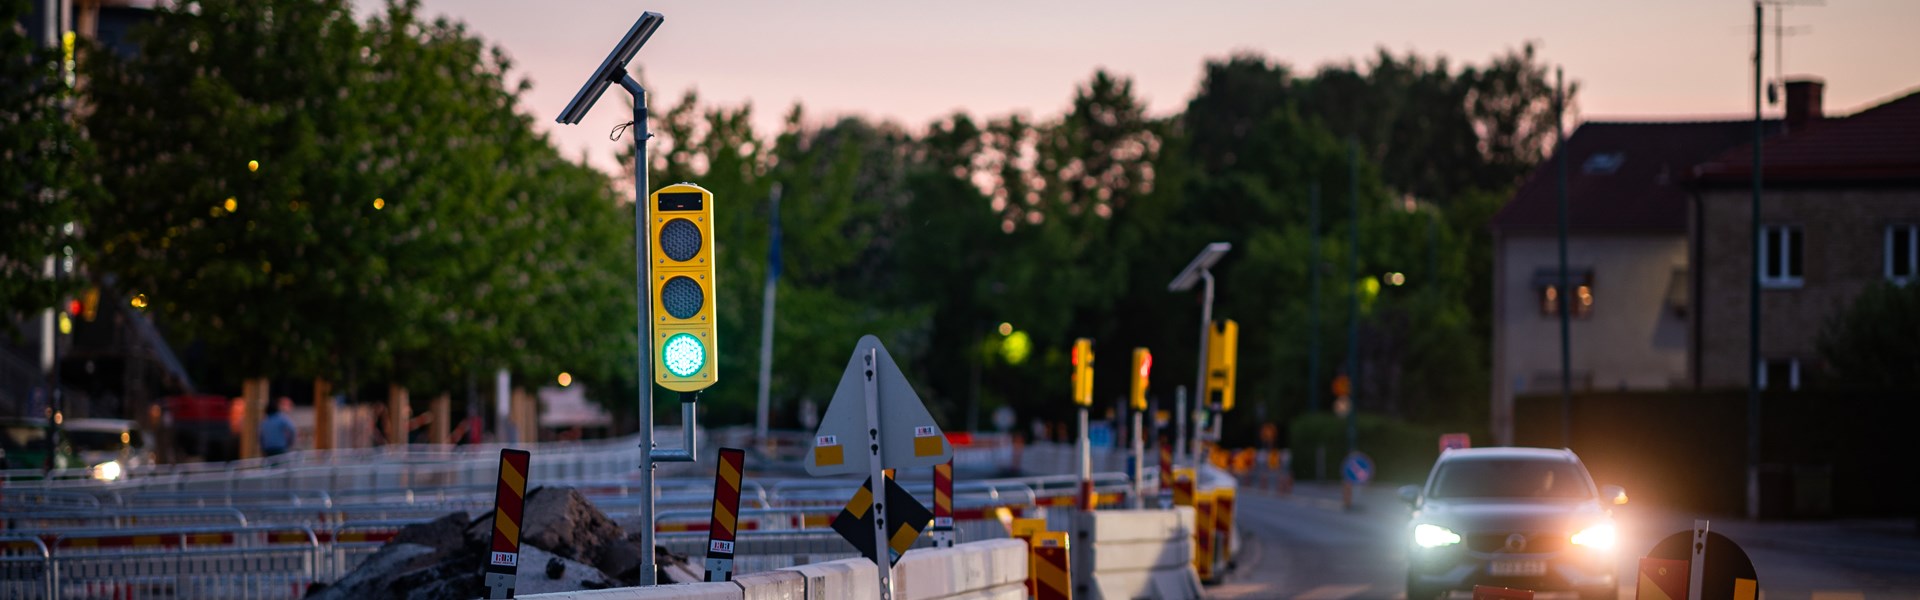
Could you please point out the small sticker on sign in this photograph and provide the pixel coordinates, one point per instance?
(506, 559)
(827, 440)
(720, 546)
(924, 431)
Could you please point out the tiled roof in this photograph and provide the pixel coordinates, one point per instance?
(1623, 177)
(1878, 144)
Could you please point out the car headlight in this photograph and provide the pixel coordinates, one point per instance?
(1599, 537)
(1427, 535)
(107, 471)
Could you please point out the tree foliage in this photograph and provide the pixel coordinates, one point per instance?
(305, 194)
(44, 161)
(407, 222)
(1870, 344)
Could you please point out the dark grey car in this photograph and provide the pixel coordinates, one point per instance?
(1524, 518)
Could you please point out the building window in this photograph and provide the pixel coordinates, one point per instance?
(1783, 373)
(1780, 251)
(1903, 252)
(1546, 283)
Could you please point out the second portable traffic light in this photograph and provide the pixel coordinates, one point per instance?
(685, 336)
(1142, 364)
(1223, 351)
(1083, 372)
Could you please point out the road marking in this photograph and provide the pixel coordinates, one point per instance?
(1333, 592)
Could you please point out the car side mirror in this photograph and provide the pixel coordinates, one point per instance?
(1410, 494)
(1613, 494)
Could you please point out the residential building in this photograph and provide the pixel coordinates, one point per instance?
(1627, 262)
(1840, 209)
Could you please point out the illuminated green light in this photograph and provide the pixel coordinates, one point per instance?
(683, 354)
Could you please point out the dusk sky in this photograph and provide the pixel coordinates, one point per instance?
(913, 62)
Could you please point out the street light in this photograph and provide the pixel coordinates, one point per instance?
(613, 69)
(1198, 271)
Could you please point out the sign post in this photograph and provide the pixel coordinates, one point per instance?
(1166, 473)
(943, 504)
(1355, 471)
(1697, 564)
(726, 514)
(509, 501)
(875, 407)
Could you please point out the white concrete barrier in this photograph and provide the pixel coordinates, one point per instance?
(844, 579)
(1127, 554)
(990, 569)
(772, 585)
(987, 570)
(682, 591)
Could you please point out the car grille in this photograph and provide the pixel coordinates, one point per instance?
(1536, 542)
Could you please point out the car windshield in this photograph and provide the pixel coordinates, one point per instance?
(26, 437)
(1511, 478)
(98, 440)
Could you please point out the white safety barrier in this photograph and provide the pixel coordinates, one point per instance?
(990, 570)
(1125, 554)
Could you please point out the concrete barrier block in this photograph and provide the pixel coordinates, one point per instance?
(1017, 591)
(1140, 556)
(845, 579)
(1161, 584)
(772, 585)
(682, 591)
(928, 574)
(1132, 525)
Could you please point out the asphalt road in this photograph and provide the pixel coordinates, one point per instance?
(1305, 546)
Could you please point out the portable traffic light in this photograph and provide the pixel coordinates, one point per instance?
(1223, 350)
(1142, 364)
(685, 337)
(1083, 372)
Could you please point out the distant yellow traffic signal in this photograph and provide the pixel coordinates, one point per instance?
(1083, 372)
(685, 336)
(1223, 351)
(1142, 365)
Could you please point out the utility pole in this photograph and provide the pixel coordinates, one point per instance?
(1563, 297)
(766, 324)
(1753, 283)
(1313, 300)
(1353, 285)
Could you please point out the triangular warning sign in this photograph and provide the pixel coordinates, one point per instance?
(906, 432)
(906, 519)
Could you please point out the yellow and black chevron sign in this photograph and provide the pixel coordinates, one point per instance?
(906, 518)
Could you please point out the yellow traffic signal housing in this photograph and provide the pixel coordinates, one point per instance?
(1223, 351)
(685, 336)
(1083, 372)
(1142, 364)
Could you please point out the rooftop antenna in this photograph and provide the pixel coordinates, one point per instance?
(1780, 33)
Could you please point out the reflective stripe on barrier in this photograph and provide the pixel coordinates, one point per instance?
(1052, 571)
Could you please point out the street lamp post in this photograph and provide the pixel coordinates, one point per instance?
(613, 70)
(1200, 271)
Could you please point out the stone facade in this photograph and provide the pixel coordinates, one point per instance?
(1843, 250)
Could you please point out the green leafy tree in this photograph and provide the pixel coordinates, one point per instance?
(1870, 344)
(308, 195)
(44, 162)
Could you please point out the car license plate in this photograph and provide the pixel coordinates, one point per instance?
(1517, 568)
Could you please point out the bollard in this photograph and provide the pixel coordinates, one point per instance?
(1183, 487)
(1025, 530)
(1203, 509)
(509, 501)
(1051, 567)
(1166, 474)
(726, 514)
(1223, 527)
(943, 505)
